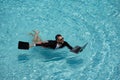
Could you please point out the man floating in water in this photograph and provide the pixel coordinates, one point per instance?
(52, 44)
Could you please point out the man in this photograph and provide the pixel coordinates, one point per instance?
(53, 44)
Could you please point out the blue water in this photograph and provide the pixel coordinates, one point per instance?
(79, 21)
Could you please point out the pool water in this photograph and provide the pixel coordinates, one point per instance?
(79, 21)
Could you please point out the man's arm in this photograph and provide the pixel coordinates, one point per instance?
(38, 44)
(68, 46)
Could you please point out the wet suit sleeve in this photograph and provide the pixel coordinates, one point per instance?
(68, 45)
(48, 44)
(45, 44)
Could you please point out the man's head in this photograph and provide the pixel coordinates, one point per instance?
(59, 38)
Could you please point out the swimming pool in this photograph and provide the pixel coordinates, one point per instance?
(79, 21)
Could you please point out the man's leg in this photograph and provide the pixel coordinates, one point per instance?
(36, 38)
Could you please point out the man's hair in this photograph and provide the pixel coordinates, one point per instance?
(58, 35)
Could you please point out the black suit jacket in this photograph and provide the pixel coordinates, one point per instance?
(52, 44)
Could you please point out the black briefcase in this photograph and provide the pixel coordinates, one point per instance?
(23, 45)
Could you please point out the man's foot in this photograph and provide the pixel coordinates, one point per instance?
(31, 34)
(36, 31)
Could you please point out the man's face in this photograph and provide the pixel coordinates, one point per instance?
(60, 40)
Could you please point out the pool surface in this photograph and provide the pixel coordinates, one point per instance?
(79, 21)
